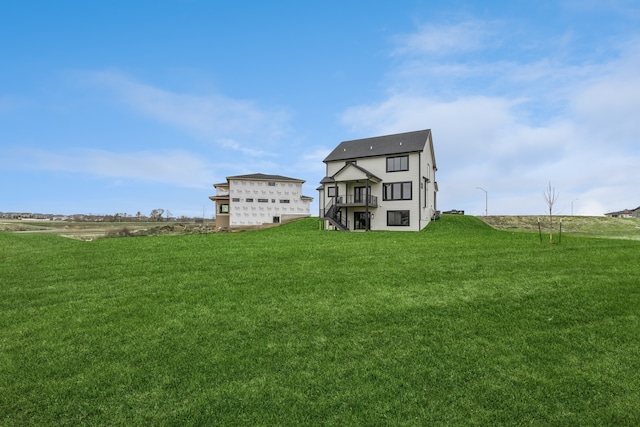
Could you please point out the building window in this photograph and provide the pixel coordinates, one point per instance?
(276, 219)
(360, 194)
(332, 191)
(395, 164)
(397, 191)
(360, 220)
(235, 199)
(398, 218)
(272, 184)
(285, 201)
(249, 200)
(224, 208)
(263, 200)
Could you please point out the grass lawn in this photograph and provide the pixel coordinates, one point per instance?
(460, 324)
(585, 226)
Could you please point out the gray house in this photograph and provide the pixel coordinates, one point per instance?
(380, 183)
(627, 213)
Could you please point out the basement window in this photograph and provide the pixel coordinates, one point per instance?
(398, 218)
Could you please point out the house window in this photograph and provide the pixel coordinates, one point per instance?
(360, 220)
(398, 218)
(397, 191)
(395, 164)
(359, 194)
(224, 208)
(263, 200)
(249, 200)
(332, 191)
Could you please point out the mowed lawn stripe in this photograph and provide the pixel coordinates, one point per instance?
(459, 324)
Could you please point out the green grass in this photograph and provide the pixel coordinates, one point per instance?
(460, 324)
(585, 226)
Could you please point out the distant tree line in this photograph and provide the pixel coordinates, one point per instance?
(156, 215)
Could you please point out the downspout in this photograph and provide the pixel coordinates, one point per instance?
(420, 189)
(366, 205)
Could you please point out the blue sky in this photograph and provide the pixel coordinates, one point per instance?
(127, 106)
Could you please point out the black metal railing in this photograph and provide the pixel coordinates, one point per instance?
(357, 200)
(334, 214)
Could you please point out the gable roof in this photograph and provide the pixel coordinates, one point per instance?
(623, 212)
(349, 165)
(264, 177)
(399, 143)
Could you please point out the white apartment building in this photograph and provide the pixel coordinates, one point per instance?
(257, 199)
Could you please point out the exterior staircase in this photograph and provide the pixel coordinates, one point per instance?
(333, 214)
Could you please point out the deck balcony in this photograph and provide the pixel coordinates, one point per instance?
(357, 200)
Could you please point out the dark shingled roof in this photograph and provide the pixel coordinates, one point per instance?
(264, 177)
(399, 143)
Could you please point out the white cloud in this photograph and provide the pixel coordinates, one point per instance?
(315, 156)
(469, 125)
(230, 123)
(530, 123)
(177, 168)
(443, 39)
(610, 105)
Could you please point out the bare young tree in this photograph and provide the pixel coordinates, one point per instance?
(156, 214)
(550, 197)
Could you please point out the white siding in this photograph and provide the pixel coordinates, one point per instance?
(420, 174)
(257, 202)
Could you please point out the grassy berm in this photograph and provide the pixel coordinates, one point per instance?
(586, 226)
(460, 324)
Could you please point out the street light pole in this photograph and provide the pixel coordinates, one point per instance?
(486, 200)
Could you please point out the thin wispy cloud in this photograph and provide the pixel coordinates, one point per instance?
(216, 118)
(177, 168)
(444, 40)
(609, 104)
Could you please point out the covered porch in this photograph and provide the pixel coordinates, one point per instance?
(349, 194)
